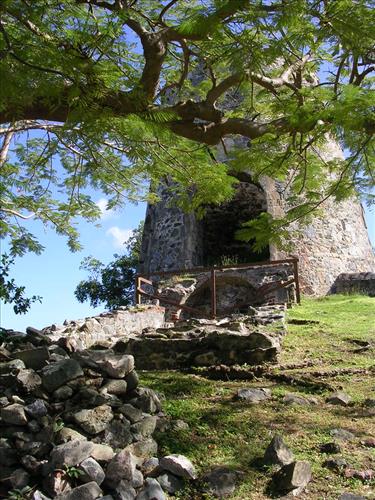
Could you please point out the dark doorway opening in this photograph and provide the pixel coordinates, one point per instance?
(221, 222)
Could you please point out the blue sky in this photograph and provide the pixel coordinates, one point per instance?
(55, 273)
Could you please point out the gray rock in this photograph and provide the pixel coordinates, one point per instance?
(88, 491)
(10, 366)
(37, 409)
(336, 464)
(144, 428)
(170, 483)
(117, 434)
(102, 452)
(296, 399)
(253, 395)
(62, 393)
(122, 466)
(31, 464)
(144, 449)
(115, 386)
(38, 495)
(71, 453)
(14, 414)
(138, 479)
(179, 466)
(33, 358)
(87, 397)
(350, 496)
(125, 491)
(95, 420)
(28, 381)
(131, 413)
(180, 425)
(151, 491)
(4, 401)
(92, 471)
(220, 481)
(55, 483)
(19, 479)
(330, 448)
(294, 476)
(150, 466)
(339, 398)
(132, 380)
(342, 434)
(67, 434)
(58, 374)
(147, 400)
(8, 455)
(114, 365)
(277, 453)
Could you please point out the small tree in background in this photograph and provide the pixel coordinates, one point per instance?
(113, 284)
(10, 292)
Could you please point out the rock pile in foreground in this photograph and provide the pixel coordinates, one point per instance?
(78, 426)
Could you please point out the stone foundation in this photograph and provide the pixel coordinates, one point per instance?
(107, 327)
(238, 339)
(355, 283)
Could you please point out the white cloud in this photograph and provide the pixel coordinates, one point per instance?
(120, 236)
(102, 205)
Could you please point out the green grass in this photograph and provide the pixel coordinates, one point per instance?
(222, 431)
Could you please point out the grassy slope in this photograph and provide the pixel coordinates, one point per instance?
(232, 433)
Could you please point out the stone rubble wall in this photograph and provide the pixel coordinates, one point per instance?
(355, 283)
(107, 326)
(334, 242)
(252, 339)
(72, 426)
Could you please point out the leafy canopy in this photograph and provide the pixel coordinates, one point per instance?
(123, 92)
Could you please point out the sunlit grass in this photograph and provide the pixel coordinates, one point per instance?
(223, 431)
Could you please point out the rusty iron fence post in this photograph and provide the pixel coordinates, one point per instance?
(213, 293)
(138, 296)
(296, 277)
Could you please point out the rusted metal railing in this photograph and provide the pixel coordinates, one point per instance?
(264, 290)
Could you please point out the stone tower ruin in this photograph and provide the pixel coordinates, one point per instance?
(335, 243)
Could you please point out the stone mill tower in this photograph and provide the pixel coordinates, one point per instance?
(334, 243)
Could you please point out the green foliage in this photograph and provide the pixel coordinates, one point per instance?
(20, 494)
(113, 284)
(117, 96)
(10, 292)
(72, 472)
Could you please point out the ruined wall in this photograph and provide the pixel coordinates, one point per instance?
(334, 243)
(171, 238)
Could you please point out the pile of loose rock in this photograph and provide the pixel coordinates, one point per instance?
(78, 426)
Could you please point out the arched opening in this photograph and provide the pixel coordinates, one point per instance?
(233, 294)
(221, 222)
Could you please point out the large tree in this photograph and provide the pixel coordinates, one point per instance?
(123, 92)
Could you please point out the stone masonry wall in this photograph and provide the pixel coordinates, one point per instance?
(107, 327)
(333, 243)
(355, 283)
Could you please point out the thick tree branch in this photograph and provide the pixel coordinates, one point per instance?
(9, 133)
(212, 133)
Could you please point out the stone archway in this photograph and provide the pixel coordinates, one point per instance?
(230, 290)
(220, 223)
